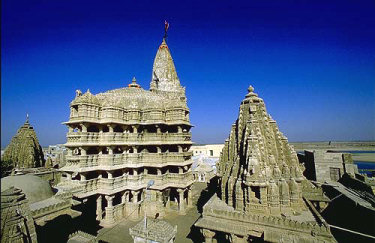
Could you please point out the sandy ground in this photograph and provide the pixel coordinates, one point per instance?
(366, 157)
(120, 232)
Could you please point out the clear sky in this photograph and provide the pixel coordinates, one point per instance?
(313, 62)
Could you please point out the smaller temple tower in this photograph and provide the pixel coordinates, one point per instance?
(263, 194)
(24, 150)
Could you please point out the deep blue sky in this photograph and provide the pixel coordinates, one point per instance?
(313, 62)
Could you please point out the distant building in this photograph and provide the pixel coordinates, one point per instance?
(210, 150)
(322, 165)
(203, 168)
(57, 153)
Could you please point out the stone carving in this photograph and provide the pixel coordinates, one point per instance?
(17, 225)
(261, 181)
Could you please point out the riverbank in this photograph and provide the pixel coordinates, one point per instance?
(335, 146)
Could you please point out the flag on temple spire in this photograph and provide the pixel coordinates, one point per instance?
(166, 26)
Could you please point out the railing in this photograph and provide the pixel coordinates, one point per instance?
(96, 138)
(131, 120)
(128, 160)
(135, 181)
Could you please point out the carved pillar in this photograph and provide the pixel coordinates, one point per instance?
(135, 170)
(180, 170)
(110, 127)
(83, 127)
(158, 149)
(127, 195)
(110, 175)
(83, 177)
(181, 205)
(190, 197)
(109, 201)
(180, 149)
(99, 211)
(68, 176)
(158, 171)
(70, 151)
(168, 202)
(158, 130)
(110, 150)
(109, 212)
(70, 128)
(135, 149)
(179, 129)
(208, 235)
(135, 129)
(83, 151)
(123, 198)
(135, 196)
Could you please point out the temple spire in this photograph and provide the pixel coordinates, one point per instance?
(27, 118)
(164, 75)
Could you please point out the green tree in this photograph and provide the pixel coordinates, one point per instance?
(6, 167)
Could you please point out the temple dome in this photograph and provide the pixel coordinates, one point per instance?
(132, 98)
(35, 188)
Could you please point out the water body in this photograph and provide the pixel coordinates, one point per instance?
(365, 167)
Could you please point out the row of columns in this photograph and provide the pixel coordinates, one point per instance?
(125, 173)
(125, 198)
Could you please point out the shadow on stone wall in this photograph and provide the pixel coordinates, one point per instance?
(59, 229)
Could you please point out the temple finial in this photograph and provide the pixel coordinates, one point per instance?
(166, 27)
(27, 118)
(134, 84)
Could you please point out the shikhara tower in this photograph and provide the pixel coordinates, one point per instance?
(262, 192)
(120, 140)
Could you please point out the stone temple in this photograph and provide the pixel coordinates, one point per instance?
(262, 193)
(24, 150)
(122, 140)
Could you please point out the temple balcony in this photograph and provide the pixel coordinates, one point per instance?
(108, 186)
(132, 160)
(113, 138)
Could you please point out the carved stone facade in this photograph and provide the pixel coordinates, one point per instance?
(17, 225)
(120, 140)
(24, 150)
(262, 191)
